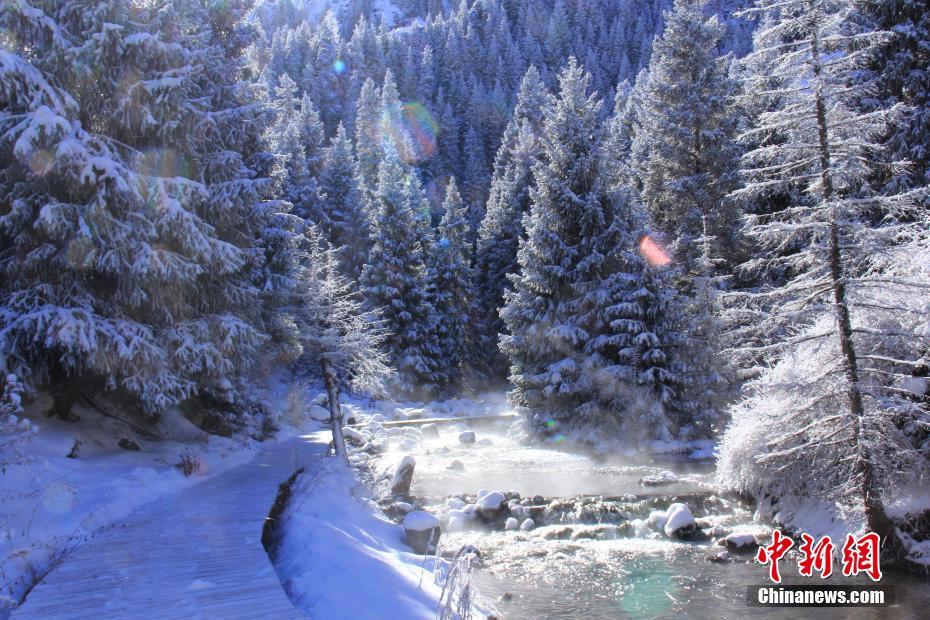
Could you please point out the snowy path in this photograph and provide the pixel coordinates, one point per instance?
(197, 554)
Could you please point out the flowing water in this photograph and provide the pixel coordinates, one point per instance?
(580, 564)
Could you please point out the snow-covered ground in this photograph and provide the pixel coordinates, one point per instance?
(52, 503)
(339, 557)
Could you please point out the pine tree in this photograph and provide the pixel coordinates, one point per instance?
(839, 294)
(368, 136)
(119, 272)
(502, 226)
(343, 205)
(900, 68)
(452, 286)
(688, 121)
(583, 312)
(396, 281)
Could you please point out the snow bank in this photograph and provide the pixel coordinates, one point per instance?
(334, 548)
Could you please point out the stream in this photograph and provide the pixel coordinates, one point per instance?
(594, 553)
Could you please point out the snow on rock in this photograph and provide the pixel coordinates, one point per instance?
(421, 531)
(467, 438)
(511, 524)
(527, 525)
(403, 476)
(420, 521)
(403, 507)
(456, 465)
(664, 477)
(741, 541)
(318, 413)
(678, 521)
(353, 437)
(490, 500)
(455, 503)
(430, 431)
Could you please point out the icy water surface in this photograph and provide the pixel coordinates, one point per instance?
(574, 569)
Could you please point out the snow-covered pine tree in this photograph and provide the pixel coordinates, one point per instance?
(396, 281)
(689, 122)
(233, 312)
(100, 246)
(901, 70)
(583, 315)
(833, 433)
(343, 205)
(452, 289)
(297, 140)
(502, 226)
(368, 136)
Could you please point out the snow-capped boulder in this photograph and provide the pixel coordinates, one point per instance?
(511, 524)
(455, 503)
(421, 531)
(741, 542)
(489, 505)
(429, 431)
(467, 438)
(456, 521)
(403, 476)
(679, 522)
(527, 525)
(318, 413)
(456, 466)
(353, 437)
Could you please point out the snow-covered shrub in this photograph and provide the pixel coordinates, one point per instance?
(14, 430)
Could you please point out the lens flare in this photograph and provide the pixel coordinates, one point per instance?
(411, 130)
(653, 253)
(339, 66)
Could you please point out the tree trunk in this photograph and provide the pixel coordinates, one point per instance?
(66, 389)
(876, 518)
(331, 382)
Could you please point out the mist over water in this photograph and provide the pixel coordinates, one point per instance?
(590, 572)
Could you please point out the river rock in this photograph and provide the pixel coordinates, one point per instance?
(421, 531)
(455, 503)
(403, 476)
(402, 507)
(679, 523)
(318, 413)
(742, 543)
(430, 431)
(511, 524)
(558, 533)
(456, 466)
(512, 495)
(723, 556)
(353, 437)
(467, 438)
(527, 525)
(489, 505)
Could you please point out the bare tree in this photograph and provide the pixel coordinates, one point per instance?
(842, 292)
